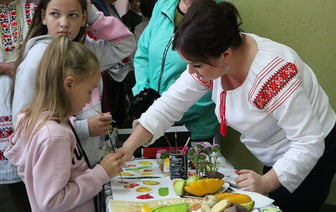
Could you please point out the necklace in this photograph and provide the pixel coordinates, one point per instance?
(11, 35)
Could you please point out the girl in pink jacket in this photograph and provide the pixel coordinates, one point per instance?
(44, 147)
(73, 17)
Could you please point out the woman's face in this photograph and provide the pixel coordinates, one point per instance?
(64, 17)
(205, 71)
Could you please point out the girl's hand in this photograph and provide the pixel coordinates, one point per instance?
(99, 124)
(251, 181)
(112, 163)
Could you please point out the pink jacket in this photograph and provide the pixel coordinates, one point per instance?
(54, 171)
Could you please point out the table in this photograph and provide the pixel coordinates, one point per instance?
(140, 171)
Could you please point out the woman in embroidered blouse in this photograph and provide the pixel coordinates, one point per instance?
(15, 18)
(263, 90)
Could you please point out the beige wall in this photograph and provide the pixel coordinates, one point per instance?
(309, 27)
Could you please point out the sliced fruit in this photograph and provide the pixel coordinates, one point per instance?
(249, 205)
(236, 198)
(182, 207)
(222, 204)
(204, 186)
(178, 185)
(192, 178)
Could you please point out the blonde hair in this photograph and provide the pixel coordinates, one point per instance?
(62, 58)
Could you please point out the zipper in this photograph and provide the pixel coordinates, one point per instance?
(163, 61)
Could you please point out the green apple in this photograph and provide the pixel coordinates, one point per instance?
(192, 178)
(178, 185)
(249, 205)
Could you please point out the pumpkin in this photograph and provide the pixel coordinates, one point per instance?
(204, 186)
(236, 198)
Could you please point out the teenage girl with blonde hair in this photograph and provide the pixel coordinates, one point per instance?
(50, 161)
(115, 42)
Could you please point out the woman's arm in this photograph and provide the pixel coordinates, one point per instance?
(169, 108)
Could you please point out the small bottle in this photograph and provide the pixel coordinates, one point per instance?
(166, 166)
(158, 155)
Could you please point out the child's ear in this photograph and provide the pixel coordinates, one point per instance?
(68, 83)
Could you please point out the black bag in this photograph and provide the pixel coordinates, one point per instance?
(146, 97)
(142, 101)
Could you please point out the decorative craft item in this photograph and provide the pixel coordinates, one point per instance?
(205, 159)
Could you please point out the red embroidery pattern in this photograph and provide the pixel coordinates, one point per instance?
(2, 156)
(281, 84)
(197, 77)
(91, 34)
(6, 128)
(12, 35)
(222, 108)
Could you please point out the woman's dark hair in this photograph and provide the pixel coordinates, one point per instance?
(207, 30)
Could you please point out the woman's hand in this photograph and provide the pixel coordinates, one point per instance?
(251, 181)
(112, 163)
(128, 149)
(99, 124)
(139, 137)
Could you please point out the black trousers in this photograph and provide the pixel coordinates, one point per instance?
(13, 198)
(314, 190)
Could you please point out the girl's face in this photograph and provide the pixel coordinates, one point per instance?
(64, 17)
(206, 71)
(80, 92)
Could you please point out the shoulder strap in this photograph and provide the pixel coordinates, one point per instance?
(96, 198)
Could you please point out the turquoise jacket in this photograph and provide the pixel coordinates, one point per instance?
(154, 43)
